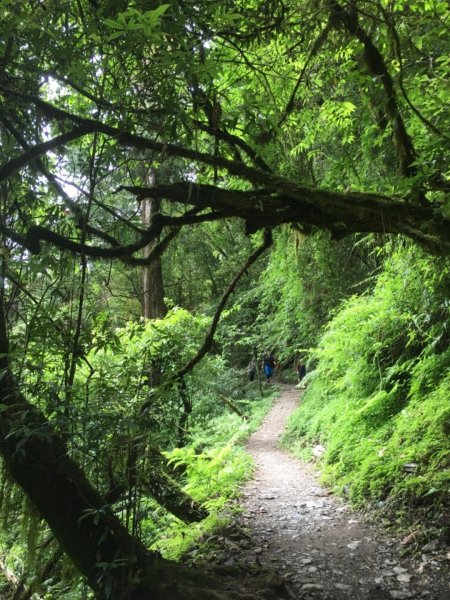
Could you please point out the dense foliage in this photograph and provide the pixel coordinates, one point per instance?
(378, 398)
(180, 139)
(119, 423)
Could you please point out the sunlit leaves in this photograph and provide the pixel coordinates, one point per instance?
(133, 20)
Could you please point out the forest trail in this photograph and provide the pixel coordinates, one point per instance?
(323, 549)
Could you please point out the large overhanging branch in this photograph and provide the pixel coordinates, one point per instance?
(279, 200)
(340, 213)
(37, 234)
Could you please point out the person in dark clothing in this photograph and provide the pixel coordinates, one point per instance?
(251, 370)
(268, 364)
(301, 370)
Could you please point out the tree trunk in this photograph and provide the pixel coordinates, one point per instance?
(157, 482)
(153, 306)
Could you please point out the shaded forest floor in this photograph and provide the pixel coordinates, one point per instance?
(292, 525)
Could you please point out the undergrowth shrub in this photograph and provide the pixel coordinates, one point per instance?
(215, 464)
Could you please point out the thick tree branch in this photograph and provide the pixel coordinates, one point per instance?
(86, 126)
(340, 213)
(215, 321)
(37, 460)
(8, 168)
(37, 234)
(73, 206)
(158, 483)
(377, 68)
(78, 516)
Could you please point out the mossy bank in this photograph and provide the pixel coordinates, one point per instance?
(378, 397)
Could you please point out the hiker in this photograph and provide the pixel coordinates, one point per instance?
(251, 370)
(268, 364)
(301, 370)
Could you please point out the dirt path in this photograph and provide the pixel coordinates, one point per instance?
(314, 540)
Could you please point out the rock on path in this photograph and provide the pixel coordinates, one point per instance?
(323, 549)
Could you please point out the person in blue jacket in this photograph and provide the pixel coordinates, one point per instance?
(268, 365)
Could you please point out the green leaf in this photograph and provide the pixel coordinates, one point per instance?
(115, 24)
